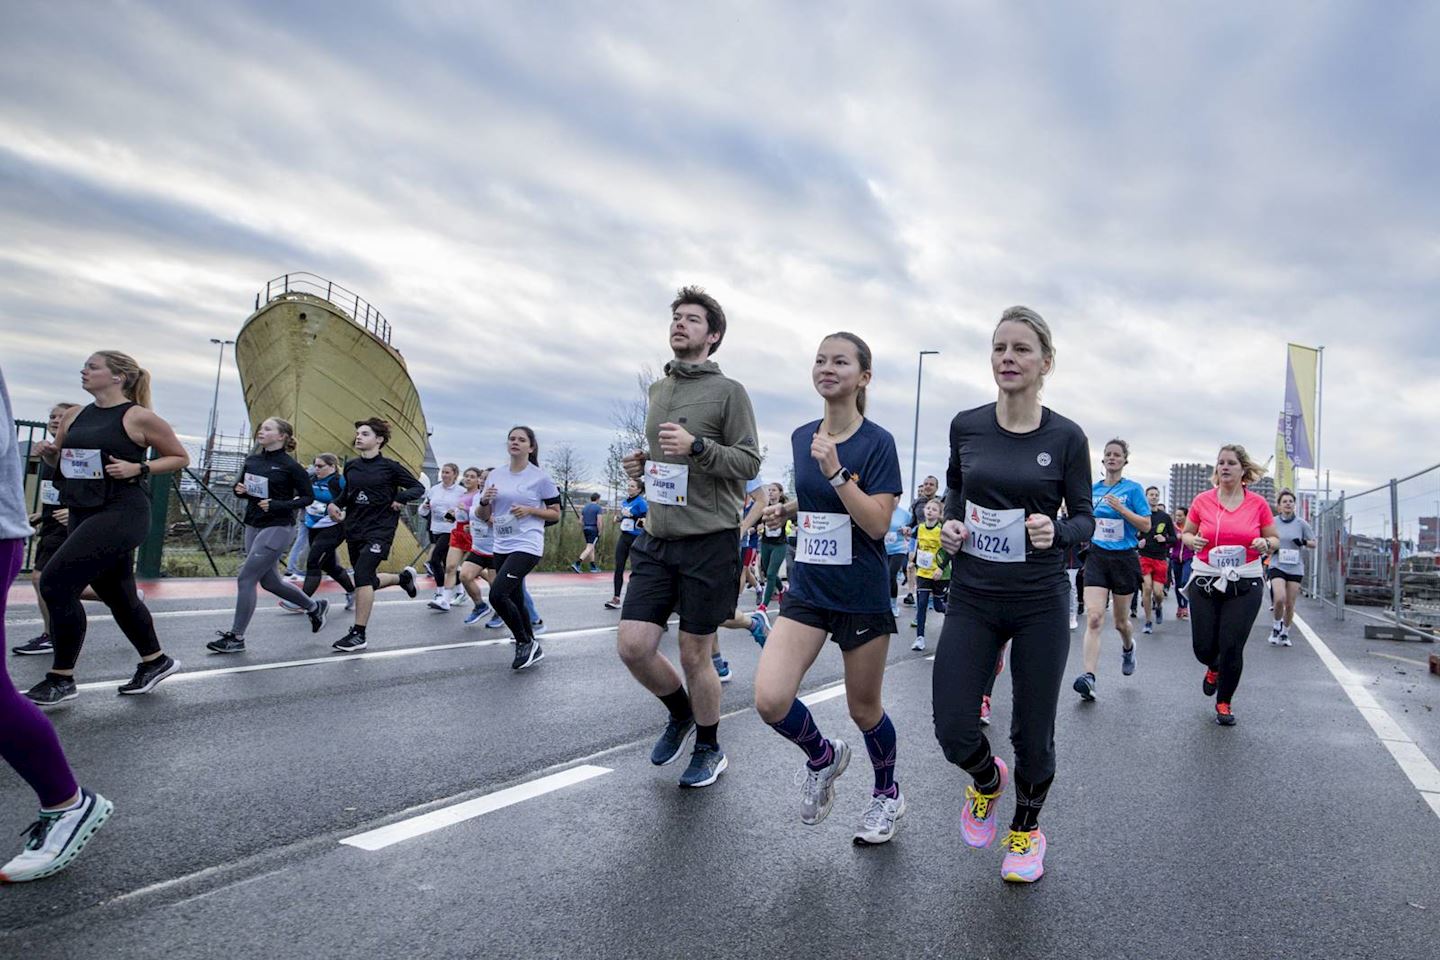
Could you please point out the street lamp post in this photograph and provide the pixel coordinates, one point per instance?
(215, 406)
(915, 437)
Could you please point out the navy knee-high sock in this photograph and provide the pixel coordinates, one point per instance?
(799, 728)
(880, 743)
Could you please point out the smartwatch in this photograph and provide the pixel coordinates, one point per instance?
(144, 470)
(697, 448)
(842, 477)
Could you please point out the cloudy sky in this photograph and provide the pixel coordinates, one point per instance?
(521, 187)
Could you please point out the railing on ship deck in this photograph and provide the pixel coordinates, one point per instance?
(349, 303)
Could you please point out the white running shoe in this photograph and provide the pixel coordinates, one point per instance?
(441, 602)
(1074, 621)
(919, 643)
(880, 819)
(817, 787)
(1284, 638)
(57, 838)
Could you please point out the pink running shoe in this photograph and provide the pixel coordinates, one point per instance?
(1024, 856)
(977, 816)
(985, 711)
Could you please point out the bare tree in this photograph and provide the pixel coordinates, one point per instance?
(568, 470)
(628, 416)
(615, 471)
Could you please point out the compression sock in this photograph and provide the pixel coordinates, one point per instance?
(1029, 798)
(981, 766)
(880, 744)
(798, 726)
(678, 703)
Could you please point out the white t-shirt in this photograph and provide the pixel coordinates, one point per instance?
(530, 487)
(440, 501)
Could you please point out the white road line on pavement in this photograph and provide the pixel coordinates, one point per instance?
(382, 837)
(341, 658)
(1391, 656)
(823, 694)
(1408, 755)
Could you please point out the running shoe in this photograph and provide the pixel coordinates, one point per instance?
(350, 600)
(1223, 716)
(289, 607)
(760, 627)
(476, 613)
(817, 787)
(494, 623)
(52, 690)
(56, 839)
(1024, 856)
(894, 608)
(149, 674)
(31, 648)
(319, 615)
(352, 641)
(761, 609)
(919, 643)
(227, 642)
(1085, 686)
(722, 667)
(915, 623)
(880, 819)
(292, 577)
(706, 765)
(576, 567)
(1212, 680)
(407, 582)
(909, 600)
(1159, 615)
(527, 653)
(1149, 627)
(1127, 661)
(594, 568)
(1275, 634)
(758, 594)
(977, 816)
(672, 740)
(1074, 622)
(440, 602)
(1284, 638)
(985, 710)
(612, 604)
(537, 627)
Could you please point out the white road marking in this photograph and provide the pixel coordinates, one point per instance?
(342, 657)
(382, 837)
(1408, 755)
(823, 694)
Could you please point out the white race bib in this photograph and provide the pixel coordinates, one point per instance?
(1289, 558)
(824, 539)
(891, 538)
(257, 487)
(317, 509)
(1230, 555)
(507, 525)
(80, 464)
(995, 535)
(1109, 529)
(924, 560)
(774, 532)
(627, 525)
(667, 483)
(49, 494)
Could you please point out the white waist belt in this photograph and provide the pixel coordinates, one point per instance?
(1224, 576)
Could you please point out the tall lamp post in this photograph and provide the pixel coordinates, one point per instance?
(915, 438)
(215, 406)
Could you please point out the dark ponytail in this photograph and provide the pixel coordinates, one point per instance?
(534, 444)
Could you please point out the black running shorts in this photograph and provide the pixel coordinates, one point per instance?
(697, 576)
(485, 561)
(1116, 570)
(46, 545)
(365, 558)
(1274, 574)
(848, 630)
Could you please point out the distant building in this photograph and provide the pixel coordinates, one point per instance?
(1188, 481)
(1429, 534)
(1265, 486)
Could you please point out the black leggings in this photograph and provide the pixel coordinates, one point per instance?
(507, 592)
(622, 556)
(324, 545)
(895, 564)
(1219, 626)
(439, 550)
(99, 553)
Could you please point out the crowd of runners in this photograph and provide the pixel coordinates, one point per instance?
(1020, 543)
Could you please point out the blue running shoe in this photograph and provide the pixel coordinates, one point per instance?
(1085, 686)
(672, 741)
(480, 610)
(1127, 661)
(722, 667)
(759, 627)
(494, 623)
(706, 765)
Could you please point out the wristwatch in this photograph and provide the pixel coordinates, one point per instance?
(144, 470)
(697, 448)
(842, 477)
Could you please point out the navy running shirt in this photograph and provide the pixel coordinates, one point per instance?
(590, 515)
(861, 585)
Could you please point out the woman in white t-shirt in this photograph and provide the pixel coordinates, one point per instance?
(520, 501)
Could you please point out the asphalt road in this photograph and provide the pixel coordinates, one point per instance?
(1295, 833)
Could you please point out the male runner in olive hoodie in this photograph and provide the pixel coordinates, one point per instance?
(700, 429)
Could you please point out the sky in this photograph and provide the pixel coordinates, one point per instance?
(1179, 189)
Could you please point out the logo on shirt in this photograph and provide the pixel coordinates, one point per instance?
(360, 497)
(1042, 458)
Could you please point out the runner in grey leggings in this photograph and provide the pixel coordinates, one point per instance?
(273, 486)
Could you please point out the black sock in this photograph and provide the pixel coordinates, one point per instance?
(981, 765)
(707, 734)
(1029, 798)
(359, 629)
(678, 703)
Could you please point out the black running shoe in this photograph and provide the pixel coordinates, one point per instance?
(352, 641)
(317, 616)
(31, 648)
(527, 652)
(672, 741)
(226, 643)
(148, 675)
(52, 690)
(407, 582)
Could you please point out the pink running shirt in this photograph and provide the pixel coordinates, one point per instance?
(1224, 528)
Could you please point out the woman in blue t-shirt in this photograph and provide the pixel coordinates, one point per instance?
(632, 525)
(847, 478)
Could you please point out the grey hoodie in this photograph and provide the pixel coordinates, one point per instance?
(717, 410)
(14, 521)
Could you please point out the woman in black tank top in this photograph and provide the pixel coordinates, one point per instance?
(99, 455)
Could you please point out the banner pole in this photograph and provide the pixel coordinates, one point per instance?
(1319, 407)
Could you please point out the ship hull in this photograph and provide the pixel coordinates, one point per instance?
(302, 359)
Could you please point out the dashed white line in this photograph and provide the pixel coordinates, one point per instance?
(391, 834)
(1407, 753)
(823, 694)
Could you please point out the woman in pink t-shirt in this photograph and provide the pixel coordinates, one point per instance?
(1229, 528)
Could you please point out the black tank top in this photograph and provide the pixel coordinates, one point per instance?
(94, 436)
